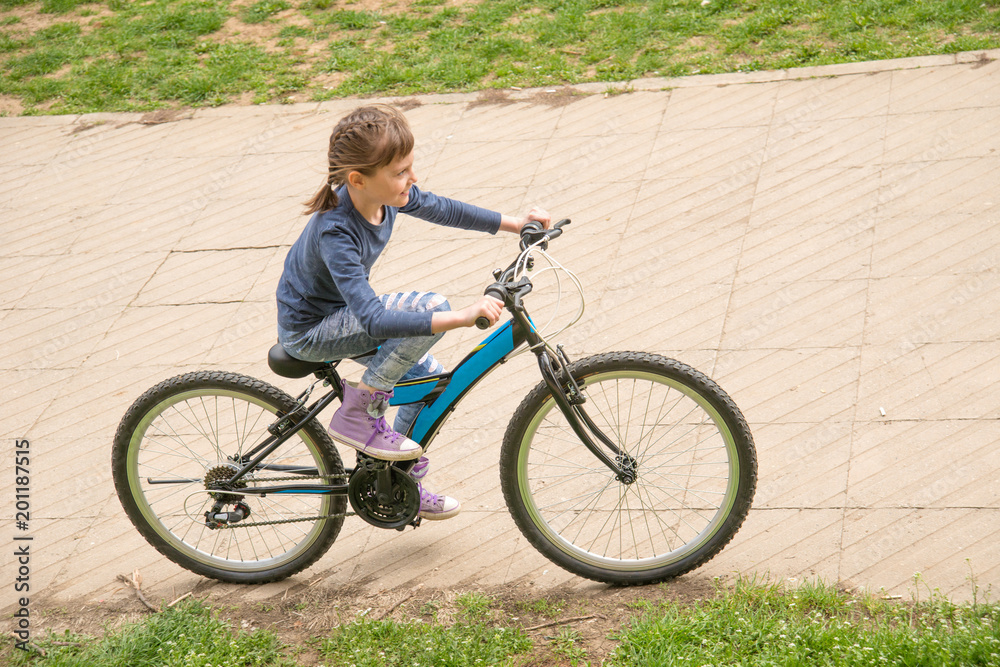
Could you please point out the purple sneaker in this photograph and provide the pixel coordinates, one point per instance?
(360, 423)
(420, 468)
(437, 508)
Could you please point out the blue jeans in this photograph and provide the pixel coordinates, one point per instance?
(340, 336)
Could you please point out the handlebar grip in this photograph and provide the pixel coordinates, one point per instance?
(495, 292)
(533, 232)
(557, 229)
(482, 322)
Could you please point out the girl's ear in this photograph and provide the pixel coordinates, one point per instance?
(356, 180)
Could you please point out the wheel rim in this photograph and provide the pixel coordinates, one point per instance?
(185, 435)
(686, 460)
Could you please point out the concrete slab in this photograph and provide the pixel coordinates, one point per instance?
(821, 241)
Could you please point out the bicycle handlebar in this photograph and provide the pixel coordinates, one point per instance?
(531, 233)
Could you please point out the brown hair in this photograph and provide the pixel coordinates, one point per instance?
(365, 140)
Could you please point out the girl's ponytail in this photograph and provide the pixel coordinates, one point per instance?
(365, 140)
(324, 199)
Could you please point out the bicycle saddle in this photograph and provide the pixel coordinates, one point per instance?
(288, 366)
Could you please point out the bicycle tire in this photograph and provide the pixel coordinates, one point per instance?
(185, 426)
(695, 462)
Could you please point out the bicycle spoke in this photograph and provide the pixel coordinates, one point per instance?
(208, 432)
(664, 525)
(176, 436)
(601, 529)
(596, 499)
(628, 420)
(680, 504)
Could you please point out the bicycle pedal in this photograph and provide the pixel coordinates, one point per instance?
(415, 523)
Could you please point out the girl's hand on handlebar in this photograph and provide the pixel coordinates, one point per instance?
(536, 214)
(486, 306)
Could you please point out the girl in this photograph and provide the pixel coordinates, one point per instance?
(327, 310)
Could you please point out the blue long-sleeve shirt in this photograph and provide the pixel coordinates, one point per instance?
(328, 266)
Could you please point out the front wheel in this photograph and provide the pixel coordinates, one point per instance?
(695, 469)
(183, 436)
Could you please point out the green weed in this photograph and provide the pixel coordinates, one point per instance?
(262, 10)
(474, 605)
(542, 607)
(565, 644)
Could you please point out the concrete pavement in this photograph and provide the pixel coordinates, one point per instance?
(823, 242)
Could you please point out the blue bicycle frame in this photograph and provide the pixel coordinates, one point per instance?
(441, 393)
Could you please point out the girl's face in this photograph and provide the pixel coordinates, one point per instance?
(390, 185)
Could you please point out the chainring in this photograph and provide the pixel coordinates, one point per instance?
(382, 494)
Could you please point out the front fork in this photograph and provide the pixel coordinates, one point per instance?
(567, 395)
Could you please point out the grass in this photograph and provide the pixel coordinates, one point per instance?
(750, 623)
(814, 625)
(188, 635)
(471, 641)
(69, 56)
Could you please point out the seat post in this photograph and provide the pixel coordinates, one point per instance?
(329, 374)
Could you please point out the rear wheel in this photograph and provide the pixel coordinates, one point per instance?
(188, 432)
(694, 471)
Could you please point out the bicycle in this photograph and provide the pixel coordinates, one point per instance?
(622, 467)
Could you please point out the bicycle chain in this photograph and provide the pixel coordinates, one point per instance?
(256, 524)
(297, 477)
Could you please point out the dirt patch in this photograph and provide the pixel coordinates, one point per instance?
(376, 6)
(165, 116)
(557, 97)
(492, 97)
(79, 128)
(30, 20)
(694, 43)
(550, 97)
(263, 34)
(305, 613)
(395, 6)
(10, 106)
(982, 60)
(329, 80)
(94, 20)
(408, 104)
